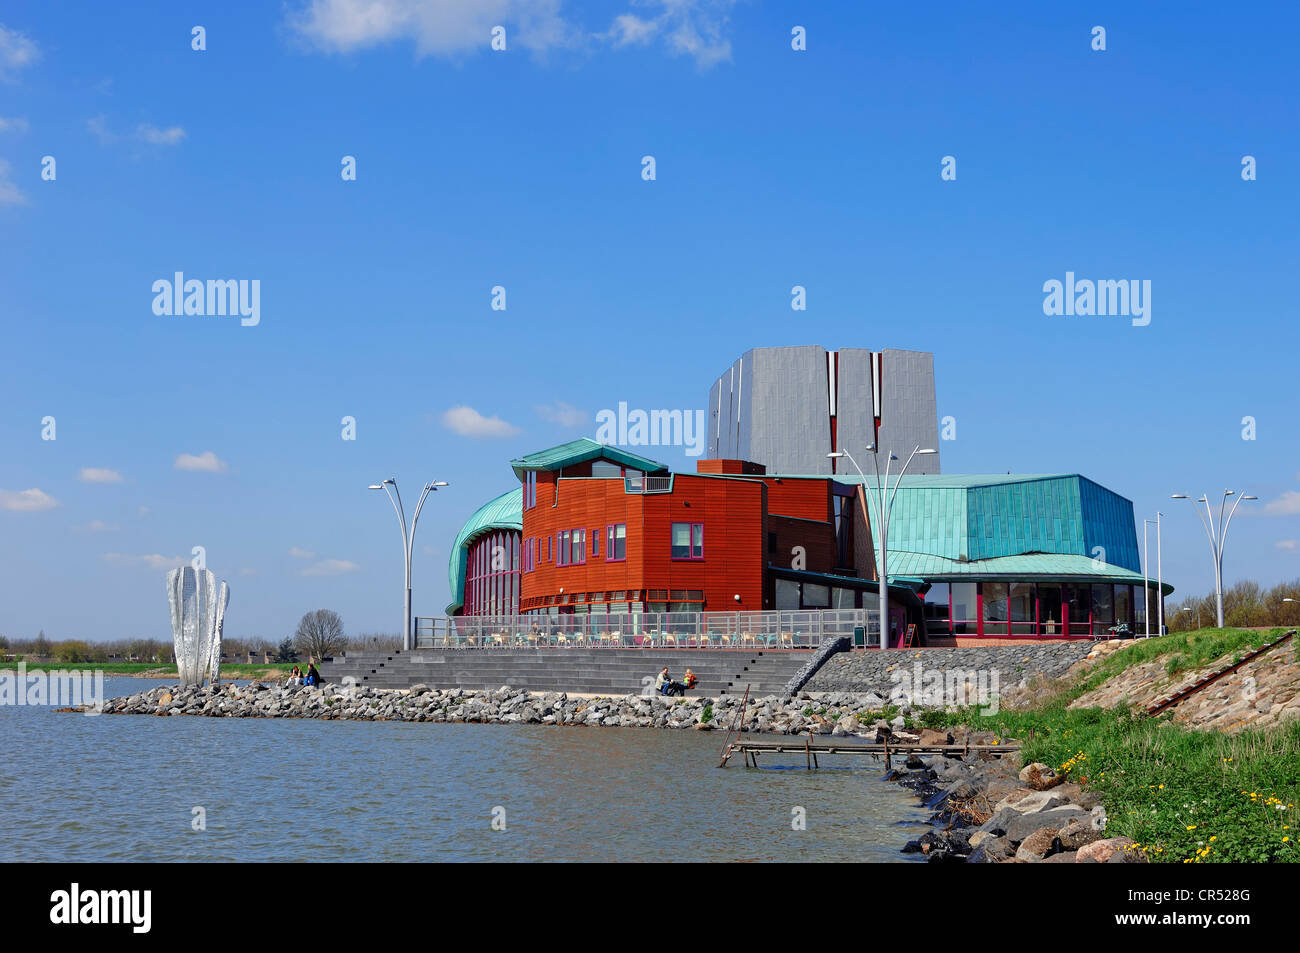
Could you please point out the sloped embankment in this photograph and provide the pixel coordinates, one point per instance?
(1262, 692)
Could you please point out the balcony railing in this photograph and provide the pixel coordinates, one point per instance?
(648, 484)
(804, 629)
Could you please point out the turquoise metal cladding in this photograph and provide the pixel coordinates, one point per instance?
(972, 518)
(504, 512)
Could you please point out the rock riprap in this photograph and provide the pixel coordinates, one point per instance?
(830, 713)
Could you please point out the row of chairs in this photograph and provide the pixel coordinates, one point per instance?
(618, 640)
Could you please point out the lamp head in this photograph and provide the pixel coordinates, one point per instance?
(375, 486)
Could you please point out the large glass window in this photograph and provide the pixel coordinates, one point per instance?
(936, 608)
(1103, 607)
(787, 594)
(688, 541)
(815, 596)
(965, 618)
(1023, 609)
(1049, 610)
(995, 608)
(562, 547)
(578, 545)
(1078, 602)
(1124, 605)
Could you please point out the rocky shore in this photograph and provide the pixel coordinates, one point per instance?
(822, 713)
(989, 810)
(894, 670)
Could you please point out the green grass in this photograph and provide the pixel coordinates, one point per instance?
(1183, 794)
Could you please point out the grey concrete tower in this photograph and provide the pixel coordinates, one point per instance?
(787, 407)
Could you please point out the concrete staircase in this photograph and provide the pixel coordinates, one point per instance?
(605, 671)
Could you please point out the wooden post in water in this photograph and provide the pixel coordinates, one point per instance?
(888, 766)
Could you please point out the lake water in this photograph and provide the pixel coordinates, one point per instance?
(123, 788)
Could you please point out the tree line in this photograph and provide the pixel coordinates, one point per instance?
(319, 635)
(1246, 604)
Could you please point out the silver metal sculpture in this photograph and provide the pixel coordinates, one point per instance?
(198, 609)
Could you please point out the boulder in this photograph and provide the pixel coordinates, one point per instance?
(930, 736)
(1032, 803)
(994, 850)
(1039, 776)
(1064, 857)
(1080, 833)
(1022, 825)
(1101, 851)
(1038, 845)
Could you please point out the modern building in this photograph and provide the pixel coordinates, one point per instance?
(788, 407)
(763, 524)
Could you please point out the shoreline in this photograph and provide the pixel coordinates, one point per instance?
(986, 809)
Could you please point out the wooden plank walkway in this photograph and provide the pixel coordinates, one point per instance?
(750, 750)
(1213, 677)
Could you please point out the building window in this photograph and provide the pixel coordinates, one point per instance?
(548, 549)
(595, 543)
(995, 608)
(578, 546)
(965, 614)
(616, 542)
(530, 489)
(1024, 610)
(688, 541)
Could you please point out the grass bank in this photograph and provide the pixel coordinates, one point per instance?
(1185, 795)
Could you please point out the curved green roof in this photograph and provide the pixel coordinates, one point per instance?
(505, 512)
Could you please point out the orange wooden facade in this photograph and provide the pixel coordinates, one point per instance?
(742, 513)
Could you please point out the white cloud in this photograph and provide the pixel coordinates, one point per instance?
(142, 511)
(693, 28)
(468, 422)
(26, 501)
(16, 124)
(330, 567)
(446, 27)
(151, 561)
(561, 413)
(99, 475)
(297, 553)
(16, 51)
(1288, 504)
(98, 526)
(10, 194)
(205, 462)
(145, 132)
(170, 136)
(247, 572)
(1291, 545)
(438, 27)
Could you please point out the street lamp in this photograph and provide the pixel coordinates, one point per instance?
(1198, 613)
(1217, 535)
(1160, 583)
(883, 509)
(408, 541)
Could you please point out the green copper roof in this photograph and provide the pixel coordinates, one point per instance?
(505, 512)
(1027, 567)
(580, 451)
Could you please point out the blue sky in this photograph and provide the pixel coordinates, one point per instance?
(522, 168)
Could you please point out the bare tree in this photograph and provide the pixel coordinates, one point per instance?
(320, 634)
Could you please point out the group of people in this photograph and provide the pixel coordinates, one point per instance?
(664, 684)
(298, 677)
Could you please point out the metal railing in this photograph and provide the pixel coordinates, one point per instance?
(648, 484)
(803, 629)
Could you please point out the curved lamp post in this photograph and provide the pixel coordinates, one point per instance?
(1217, 535)
(408, 542)
(883, 508)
